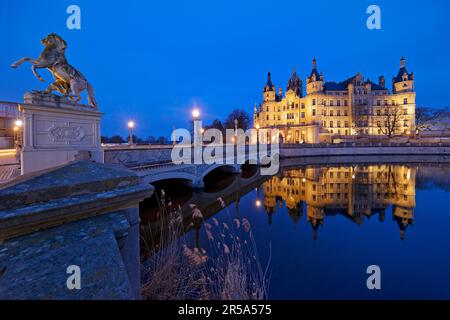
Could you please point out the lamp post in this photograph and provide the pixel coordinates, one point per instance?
(131, 125)
(235, 129)
(257, 142)
(197, 127)
(257, 133)
(18, 124)
(15, 135)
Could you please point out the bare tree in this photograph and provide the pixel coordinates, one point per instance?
(427, 118)
(241, 116)
(390, 123)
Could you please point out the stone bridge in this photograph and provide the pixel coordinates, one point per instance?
(154, 164)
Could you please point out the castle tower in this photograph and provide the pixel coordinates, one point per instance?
(269, 89)
(314, 83)
(404, 81)
(295, 85)
(382, 81)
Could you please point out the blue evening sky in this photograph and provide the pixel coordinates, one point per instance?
(153, 61)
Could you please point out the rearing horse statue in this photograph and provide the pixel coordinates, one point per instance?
(68, 80)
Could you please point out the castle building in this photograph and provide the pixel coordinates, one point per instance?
(330, 111)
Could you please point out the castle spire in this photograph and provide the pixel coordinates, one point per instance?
(269, 85)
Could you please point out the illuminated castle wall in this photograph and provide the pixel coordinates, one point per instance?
(356, 106)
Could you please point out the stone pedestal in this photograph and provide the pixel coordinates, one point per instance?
(56, 131)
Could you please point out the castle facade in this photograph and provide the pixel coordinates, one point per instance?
(333, 111)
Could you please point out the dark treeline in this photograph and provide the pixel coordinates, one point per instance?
(243, 122)
(136, 139)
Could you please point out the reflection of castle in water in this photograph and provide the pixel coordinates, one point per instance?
(355, 192)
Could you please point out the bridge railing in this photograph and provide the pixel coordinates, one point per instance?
(145, 157)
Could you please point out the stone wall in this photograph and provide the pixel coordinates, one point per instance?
(353, 149)
(84, 214)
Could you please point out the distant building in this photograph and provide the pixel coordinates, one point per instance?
(8, 113)
(330, 110)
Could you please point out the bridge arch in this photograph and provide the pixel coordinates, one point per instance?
(151, 178)
(227, 167)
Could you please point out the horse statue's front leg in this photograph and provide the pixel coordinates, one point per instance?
(19, 62)
(36, 64)
(37, 75)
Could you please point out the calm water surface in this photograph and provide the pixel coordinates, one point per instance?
(327, 224)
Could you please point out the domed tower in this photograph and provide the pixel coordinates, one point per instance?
(404, 81)
(295, 85)
(314, 83)
(269, 89)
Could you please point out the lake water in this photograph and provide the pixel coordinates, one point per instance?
(326, 224)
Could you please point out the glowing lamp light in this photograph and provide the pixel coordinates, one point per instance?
(195, 113)
(303, 180)
(131, 124)
(258, 203)
(19, 123)
(257, 126)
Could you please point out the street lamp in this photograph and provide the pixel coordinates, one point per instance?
(235, 130)
(131, 125)
(257, 137)
(18, 124)
(16, 128)
(197, 129)
(195, 114)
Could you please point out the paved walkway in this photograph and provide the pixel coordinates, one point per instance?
(8, 173)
